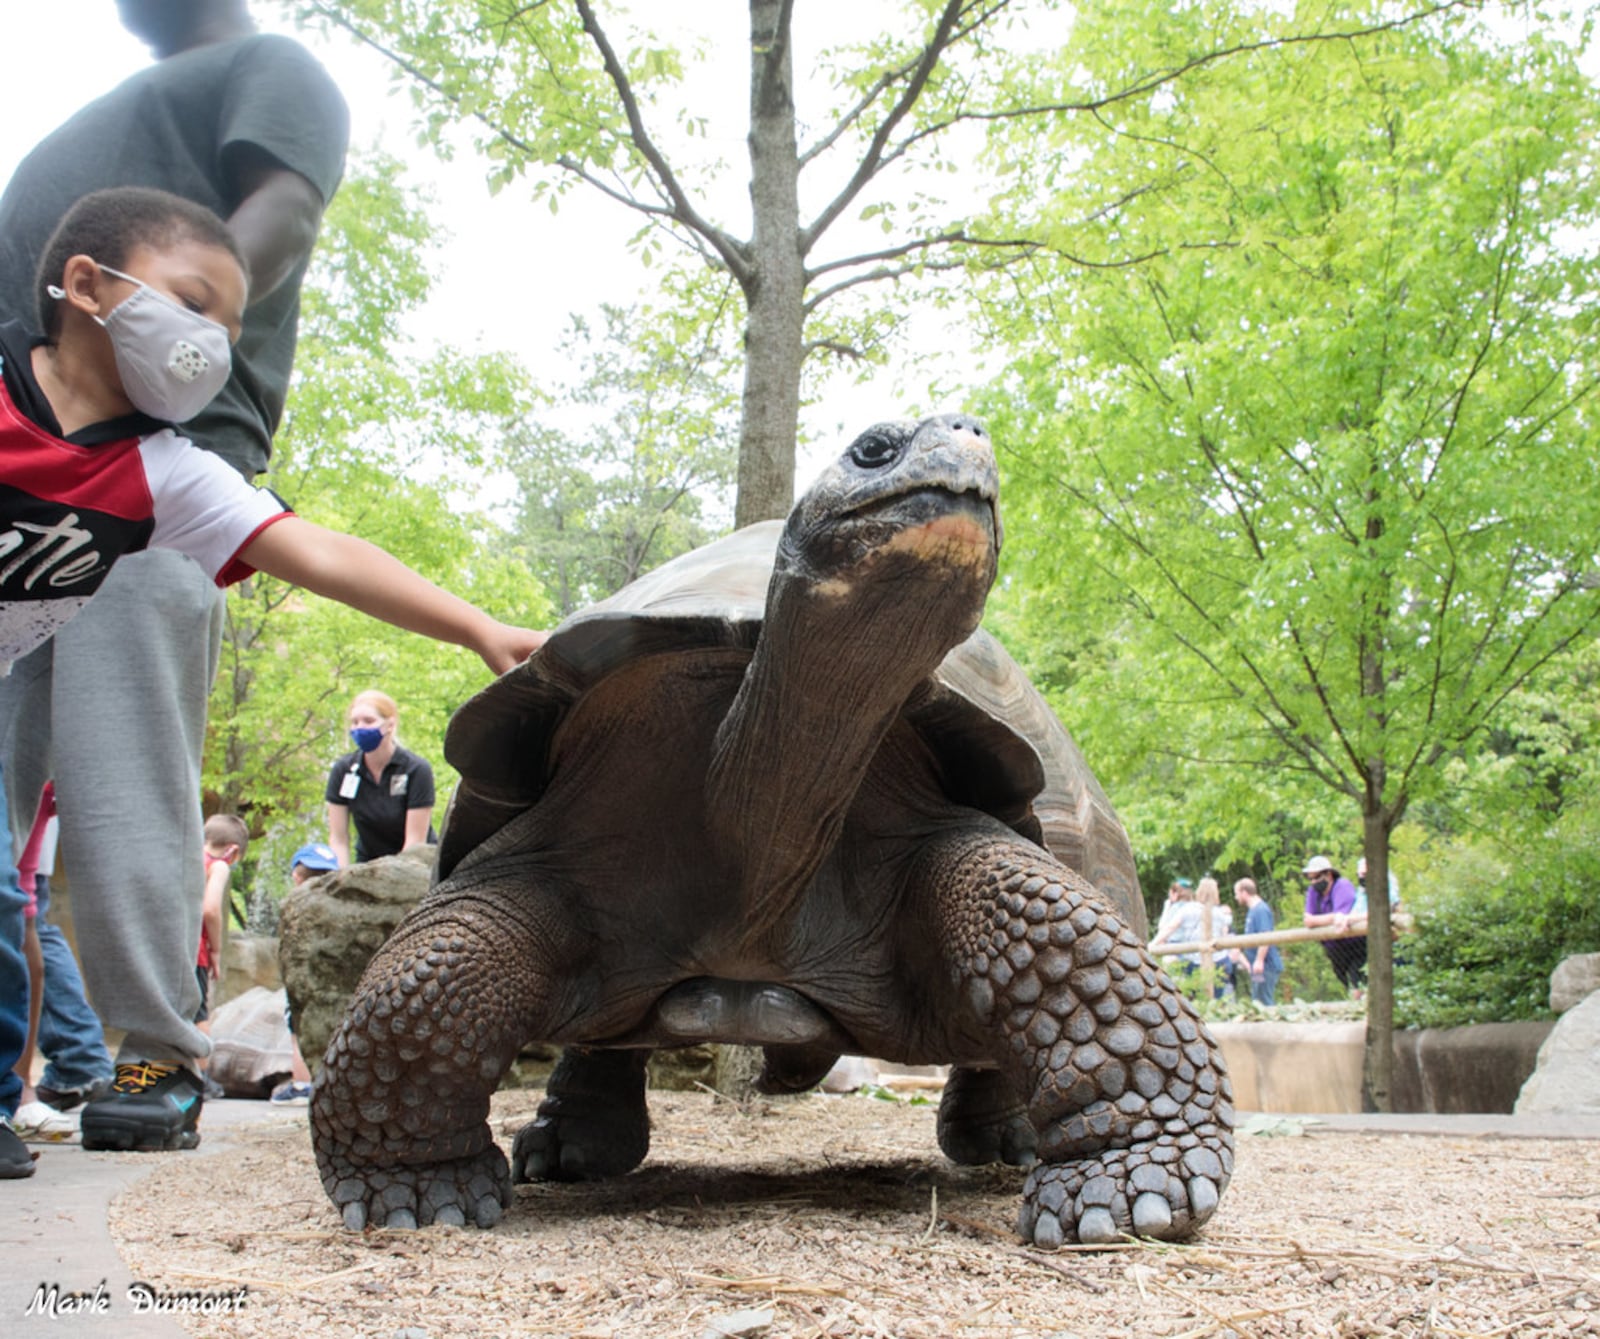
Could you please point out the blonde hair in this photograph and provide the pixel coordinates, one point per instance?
(227, 830)
(384, 704)
(1207, 893)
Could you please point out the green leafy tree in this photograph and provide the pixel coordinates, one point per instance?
(630, 464)
(577, 93)
(373, 443)
(1312, 435)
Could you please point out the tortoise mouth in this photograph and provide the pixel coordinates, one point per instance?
(942, 515)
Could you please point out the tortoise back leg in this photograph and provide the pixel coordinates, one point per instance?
(1126, 1088)
(593, 1122)
(399, 1114)
(983, 1118)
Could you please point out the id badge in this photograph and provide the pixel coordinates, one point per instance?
(349, 786)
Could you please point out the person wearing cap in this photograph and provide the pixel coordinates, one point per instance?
(312, 859)
(309, 862)
(1331, 900)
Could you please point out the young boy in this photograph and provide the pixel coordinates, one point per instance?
(226, 838)
(141, 296)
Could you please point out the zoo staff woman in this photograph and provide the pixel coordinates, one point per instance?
(388, 790)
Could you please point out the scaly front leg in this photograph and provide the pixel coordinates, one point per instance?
(1127, 1089)
(399, 1116)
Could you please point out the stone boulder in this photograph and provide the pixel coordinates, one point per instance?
(329, 929)
(1573, 981)
(248, 961)
(1566, 1080)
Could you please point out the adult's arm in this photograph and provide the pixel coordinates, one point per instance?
(418, 821)
(339, 832)
(276, 220)
(1314, 919)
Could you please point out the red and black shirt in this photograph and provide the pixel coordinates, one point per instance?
(70, 506)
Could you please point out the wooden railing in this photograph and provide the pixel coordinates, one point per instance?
(1207, 948)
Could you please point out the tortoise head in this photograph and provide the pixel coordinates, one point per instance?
(882, 568)
(907, 505)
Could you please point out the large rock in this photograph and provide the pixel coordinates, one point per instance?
(1573, 981)
(1566, 1080)
(248, 961)
(330, 928)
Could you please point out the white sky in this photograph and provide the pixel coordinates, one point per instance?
(509, 272)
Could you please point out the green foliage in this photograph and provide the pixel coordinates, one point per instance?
(1490, 930)
(1304, 475)
(376, 442)
(630, 465)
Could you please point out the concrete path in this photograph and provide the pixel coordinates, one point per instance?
(53, 1227)
(53, 1231)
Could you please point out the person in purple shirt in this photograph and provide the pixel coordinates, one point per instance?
(1330, 900)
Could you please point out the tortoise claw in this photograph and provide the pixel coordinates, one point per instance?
(472, 1190)
(1123, 1192)
(571, 1141)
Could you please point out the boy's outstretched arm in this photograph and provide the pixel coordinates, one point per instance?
(364, 577)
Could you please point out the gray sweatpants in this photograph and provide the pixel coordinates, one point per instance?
(114, 708)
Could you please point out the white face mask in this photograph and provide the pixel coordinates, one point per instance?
(173, 361)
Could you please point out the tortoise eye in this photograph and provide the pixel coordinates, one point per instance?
(875, 451)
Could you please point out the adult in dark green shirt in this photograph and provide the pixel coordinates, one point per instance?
(249, 125)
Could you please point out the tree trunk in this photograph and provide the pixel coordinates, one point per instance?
(1378, 1076)
(775, 290)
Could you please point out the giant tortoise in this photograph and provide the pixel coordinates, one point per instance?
(783, 791)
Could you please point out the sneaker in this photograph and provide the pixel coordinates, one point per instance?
(15, 1159)
(38, 1123)
(291, 1094)
(64, 1099)
(211, 1088)
(151, 1107)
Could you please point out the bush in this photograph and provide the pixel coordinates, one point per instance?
(1489, 932)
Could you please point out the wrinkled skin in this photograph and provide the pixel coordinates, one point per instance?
(761, 848)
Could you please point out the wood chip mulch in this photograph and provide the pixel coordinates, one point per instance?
(837, 1217)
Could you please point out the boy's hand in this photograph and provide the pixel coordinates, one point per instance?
(506, 647)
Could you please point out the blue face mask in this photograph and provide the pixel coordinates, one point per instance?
(366, 737)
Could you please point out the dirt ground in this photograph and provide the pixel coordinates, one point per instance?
(838, 1217)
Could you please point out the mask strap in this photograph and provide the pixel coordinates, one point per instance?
(120, 275)
(57, 292)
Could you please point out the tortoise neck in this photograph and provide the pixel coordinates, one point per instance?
(815, 703)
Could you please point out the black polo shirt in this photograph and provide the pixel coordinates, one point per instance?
(378, 808)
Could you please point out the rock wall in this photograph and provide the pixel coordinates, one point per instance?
(1462, 1070)
(1316, 1068)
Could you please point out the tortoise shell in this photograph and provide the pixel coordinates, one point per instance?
(1001, 748)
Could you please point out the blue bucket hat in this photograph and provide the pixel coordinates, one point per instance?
(315, 855)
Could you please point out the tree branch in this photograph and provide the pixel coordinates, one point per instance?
(872, 158)
(732, 252)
